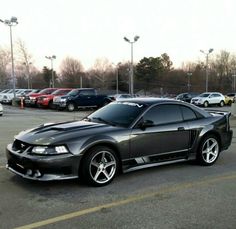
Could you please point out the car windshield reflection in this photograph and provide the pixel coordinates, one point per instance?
(118, 113)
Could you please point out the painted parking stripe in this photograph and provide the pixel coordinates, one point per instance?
(131, 199)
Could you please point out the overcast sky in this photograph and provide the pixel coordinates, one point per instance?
(92, 29)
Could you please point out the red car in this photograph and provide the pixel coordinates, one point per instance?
(31, 99)
(47, 100)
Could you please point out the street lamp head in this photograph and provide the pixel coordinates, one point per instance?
(14, 20)
(136, 38)
(126, 39)
(211, 50)
(7, 22)
(202, 51)
(53, 57)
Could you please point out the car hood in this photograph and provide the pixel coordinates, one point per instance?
(60, 133)
(35, 94)
(197, 97)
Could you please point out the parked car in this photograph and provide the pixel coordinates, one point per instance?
(2, 93)
(24, 94)
(230, 98)
(47, 100)
(82, 97)
(120, 137)
(209, 98)
(186, 97)
(1, 110)
(31, 99)
(117, 97)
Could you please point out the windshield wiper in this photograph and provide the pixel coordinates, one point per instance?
(104, 121)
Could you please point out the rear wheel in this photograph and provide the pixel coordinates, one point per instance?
(221, 104)
(208, 151)
(99, 166)
(70, 107)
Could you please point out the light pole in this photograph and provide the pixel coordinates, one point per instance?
(13, 21)
(53, 57)
(207, 54)
(131, 85)
(189, 75)
(27, 64)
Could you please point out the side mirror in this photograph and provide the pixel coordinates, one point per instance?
(145, 123)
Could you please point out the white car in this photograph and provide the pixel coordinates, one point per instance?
(209, 98)
(1, 109)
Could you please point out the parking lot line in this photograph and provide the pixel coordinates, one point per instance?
(128, 200)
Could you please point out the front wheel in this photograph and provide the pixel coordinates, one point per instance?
(99, 166)
(205, 104)
(208, 151)
(70, 107)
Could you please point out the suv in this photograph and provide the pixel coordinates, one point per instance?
(186, 97)
(209, 98)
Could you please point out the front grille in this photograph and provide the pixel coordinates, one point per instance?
(20, 146)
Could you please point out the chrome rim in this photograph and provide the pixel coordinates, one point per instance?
(102, 167)
(71, 107)
(210, 150)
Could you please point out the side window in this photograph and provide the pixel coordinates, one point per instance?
(163, 114)
(215, 95)
(86, 92)
(188, 114)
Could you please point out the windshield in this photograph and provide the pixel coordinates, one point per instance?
(47, 91)
(119, 113)
(60, 92)
(73, 92)
(204, 95)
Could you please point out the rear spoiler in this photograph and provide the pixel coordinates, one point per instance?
(227, 115)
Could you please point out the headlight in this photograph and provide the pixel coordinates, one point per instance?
(62, 100)
(48, 150)
(32, 98)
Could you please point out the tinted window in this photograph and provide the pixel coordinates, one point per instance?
(163, 114)
(215, 95)
(87, 92)
(188, 114)
(120, 113)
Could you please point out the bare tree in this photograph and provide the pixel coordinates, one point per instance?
(102, 73)
(5, 58)
(25, 59)
(72, 72)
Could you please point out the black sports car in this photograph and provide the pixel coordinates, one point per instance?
(120, 137)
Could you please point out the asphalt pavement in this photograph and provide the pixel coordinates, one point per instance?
(177, 196)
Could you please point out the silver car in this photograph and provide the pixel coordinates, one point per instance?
(1, 110)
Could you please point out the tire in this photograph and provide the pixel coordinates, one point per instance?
(70, 107)
(206, 104)
(221, 104)
(50, 104)
(208, 150)
(99, 166)
(229, 103)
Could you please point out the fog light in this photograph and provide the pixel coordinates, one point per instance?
(29, 172)
(37, 174)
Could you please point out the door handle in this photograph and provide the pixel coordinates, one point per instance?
(181, 128)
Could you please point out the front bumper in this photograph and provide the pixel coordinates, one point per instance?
(31, 102)
(197, 103)
(43, 168)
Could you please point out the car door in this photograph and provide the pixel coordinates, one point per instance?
(215, 98)
(87, 98)
(167, 132)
